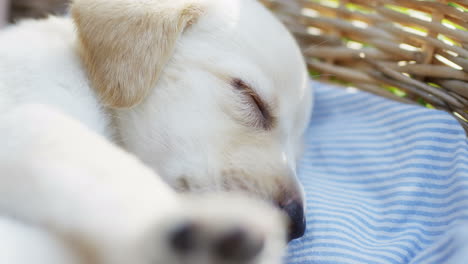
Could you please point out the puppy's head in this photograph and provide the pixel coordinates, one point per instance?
(211, 93)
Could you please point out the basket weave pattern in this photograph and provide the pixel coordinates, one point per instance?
(406, 50)
(36, 8)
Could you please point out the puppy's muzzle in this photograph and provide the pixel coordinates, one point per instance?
(294, 209)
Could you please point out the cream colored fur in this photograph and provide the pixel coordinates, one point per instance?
(161, 79)
(188, 121)
(126, 44)
(62, 204)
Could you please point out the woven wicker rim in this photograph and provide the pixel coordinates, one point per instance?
(406, 50)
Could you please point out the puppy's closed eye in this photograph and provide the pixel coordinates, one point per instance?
(258, 112)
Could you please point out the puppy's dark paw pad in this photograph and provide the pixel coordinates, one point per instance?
(184, 238)
(233, 244)
(238, 245)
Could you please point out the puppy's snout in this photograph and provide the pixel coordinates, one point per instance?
(297, 224)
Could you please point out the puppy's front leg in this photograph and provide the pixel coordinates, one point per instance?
(57, 175)
(21, 243)
(108, 208)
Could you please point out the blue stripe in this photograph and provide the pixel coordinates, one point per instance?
(395, 143)
(407, 177)
(352, 105)
(371, 117)
(366, 246)
(344, 254)
(369, 170)
(346, 204)
(414, 146)
(385, 182)
(378, 234)
(415, 163)
(321, 262)
(365, 200)
(338, 246)
(410, 129)
(407, 245)
(368, 198)
(392, 215)
(334, 213)
(447, 252)
(435, 252)
(399, 155)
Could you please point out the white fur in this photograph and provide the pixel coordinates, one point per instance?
(189, 128)
(60, 202)
(25, 244)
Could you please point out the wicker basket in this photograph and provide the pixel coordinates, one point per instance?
(413, 51)
(36, 8)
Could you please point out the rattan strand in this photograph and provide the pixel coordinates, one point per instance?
(413, 51)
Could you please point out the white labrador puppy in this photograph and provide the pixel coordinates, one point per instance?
(61, 203)
(211, 94)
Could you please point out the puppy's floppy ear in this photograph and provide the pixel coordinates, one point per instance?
(126, 43)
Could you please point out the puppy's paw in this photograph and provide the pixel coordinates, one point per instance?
(236, 244)
(221, 229)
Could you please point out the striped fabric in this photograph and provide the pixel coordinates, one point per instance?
(385, 183)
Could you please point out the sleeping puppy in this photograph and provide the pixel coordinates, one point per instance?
(63, 204)
(211, 94)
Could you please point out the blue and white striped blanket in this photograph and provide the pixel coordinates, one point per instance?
(385, 183)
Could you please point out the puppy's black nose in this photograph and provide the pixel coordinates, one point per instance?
(297, 225)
